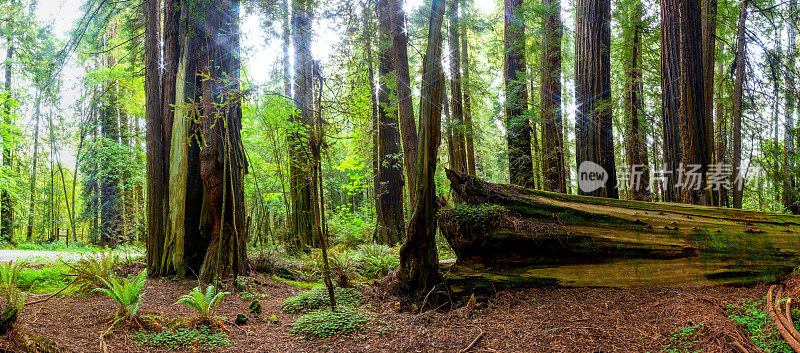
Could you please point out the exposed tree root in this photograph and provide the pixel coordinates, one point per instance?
(772, 306)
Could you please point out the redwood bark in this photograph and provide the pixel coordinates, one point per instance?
(721, 127)
(593, 130)
(683, 112)
(391, 225)
(552, 129)
(518, 134)
(111, 202)
(405, 101)
(709, 28)
(456, 102)
(156, 189)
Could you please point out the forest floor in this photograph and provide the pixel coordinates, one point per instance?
(523, 320)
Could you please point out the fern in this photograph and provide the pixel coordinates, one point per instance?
(203, 304)
(128, 294)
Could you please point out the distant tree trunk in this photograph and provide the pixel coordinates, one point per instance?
(6, 203)
(31, 205)
(738, 83)
(156, 188)
(593, 130)
(683, 113)
(111, 203)
(456, 102)
(636, 148)
(518, 134)
(552, 131)
(721, 127)
(368, 33)
(709, 28)
(419, 263)
(405, 101)
(391, 225)
(789, 130)
(302, 208)
(469, 129)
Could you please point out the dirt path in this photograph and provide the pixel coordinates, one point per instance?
(34, 256)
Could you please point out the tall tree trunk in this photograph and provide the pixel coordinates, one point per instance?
(419, 263)
(709, 29)
(456, 103)
(156, 190)
(111, 204)
(552, 131)
(302, 210)
(721, 127)
(405, 101)
(466, 87)
(369, 31)
(593, 130)
(391, 225)
(683, 112)
(222, 159)
(6, 203)
(738, 86)
(789, 131)
(636, 148)
(518, 134)
(31, 205)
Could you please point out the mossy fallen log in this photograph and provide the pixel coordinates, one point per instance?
(504, 235)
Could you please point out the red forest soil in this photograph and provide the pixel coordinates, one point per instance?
(524, 320)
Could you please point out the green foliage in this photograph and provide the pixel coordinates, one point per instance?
(325, 323)
(750, 314)
(13, 298)
(318, 297)
(202, 337)
(203, 304)
(255, 307)
(685, 339)
(46, 279)
(479, 216)
(377, 260)
(128, 294)
(93, 271)
(342, 264)
(349, 229)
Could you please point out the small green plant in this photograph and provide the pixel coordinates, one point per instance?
(377, 260)
(342, 264)
(325, 323)
(750, 314)
(685, 339)
(317, 298)
(202, 337)
(128, 294)
(13, 298)
(47, 279)
(203, 304)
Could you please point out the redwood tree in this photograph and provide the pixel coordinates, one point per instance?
(789, 197)
(391, 225)
(419, 263)
(552, 130)
(518, 129)
(736, 120)
(593, 127)
(635, 146)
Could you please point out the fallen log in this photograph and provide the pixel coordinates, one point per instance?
(504, 235)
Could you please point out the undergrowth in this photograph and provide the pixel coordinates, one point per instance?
(324, 323)
(685, 339)
(202, 337)
(751, 316)
(318, 297)
(47, 279)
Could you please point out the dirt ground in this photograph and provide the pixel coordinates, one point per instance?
(524, 320)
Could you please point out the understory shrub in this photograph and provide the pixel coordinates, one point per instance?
(377, 260)
(92, 272)
(13, 299)
(47, 279)
(128, 294)
(324, 323)
(203, 304)
(202, 337)
(349, 229)
(317, 297)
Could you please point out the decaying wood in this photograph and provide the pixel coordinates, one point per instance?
(508, 235)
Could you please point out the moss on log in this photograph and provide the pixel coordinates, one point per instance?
(506, 235)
